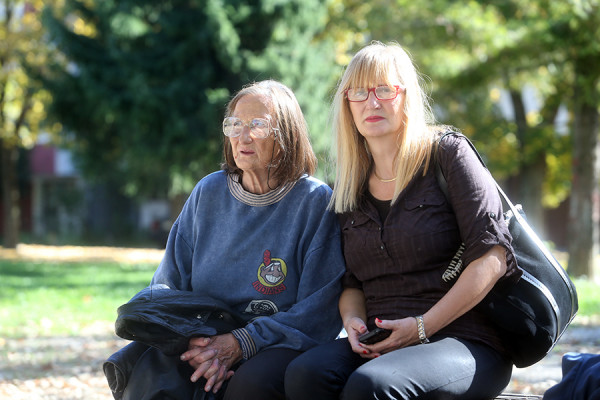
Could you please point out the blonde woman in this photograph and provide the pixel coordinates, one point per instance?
(399, 233)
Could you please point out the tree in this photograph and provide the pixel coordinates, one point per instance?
(22, 100)
(578, 31)
(563, 37)
(143, 85)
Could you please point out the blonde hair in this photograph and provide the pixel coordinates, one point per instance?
(373, 65)
(296, 156)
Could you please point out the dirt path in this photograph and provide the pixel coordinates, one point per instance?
(66, 368)
(81, 253)
(540, 377)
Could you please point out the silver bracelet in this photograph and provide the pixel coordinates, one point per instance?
(421, 329)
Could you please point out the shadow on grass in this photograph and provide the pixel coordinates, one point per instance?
(48, 298)
(25, 276)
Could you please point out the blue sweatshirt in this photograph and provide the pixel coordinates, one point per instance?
(274, 258)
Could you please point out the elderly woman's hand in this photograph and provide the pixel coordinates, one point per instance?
(212, 359)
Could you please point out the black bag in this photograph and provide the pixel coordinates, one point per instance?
(532, 314)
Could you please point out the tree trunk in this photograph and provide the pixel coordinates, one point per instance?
(583, 212)
(532, 172)
(531, 184)
(10, 196)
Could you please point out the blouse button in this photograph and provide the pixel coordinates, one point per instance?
(382, 247)
(420, 205)
(352, 223)
(493, 215)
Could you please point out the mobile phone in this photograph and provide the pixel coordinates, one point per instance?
(374, 336)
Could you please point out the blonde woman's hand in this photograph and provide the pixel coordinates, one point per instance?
(404, 333)
(354, 328)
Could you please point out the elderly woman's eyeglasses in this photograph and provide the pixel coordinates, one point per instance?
(381, 93)
(260, 128)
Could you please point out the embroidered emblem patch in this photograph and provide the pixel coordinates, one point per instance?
(271, 274)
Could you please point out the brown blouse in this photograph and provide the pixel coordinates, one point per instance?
(399, 262)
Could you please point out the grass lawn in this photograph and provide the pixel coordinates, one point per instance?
(64, 298)
(588, 294)
(69, 298)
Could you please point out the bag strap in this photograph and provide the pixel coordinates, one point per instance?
(444, 184)
(516, 210)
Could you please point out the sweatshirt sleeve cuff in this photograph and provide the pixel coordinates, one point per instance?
(246, 343)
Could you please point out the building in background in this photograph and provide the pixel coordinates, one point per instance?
(62, 208)
(57, 206)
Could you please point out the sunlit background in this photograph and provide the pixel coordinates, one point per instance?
(110, 112)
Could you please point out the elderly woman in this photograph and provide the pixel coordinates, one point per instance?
(257, 236)
(400, 233)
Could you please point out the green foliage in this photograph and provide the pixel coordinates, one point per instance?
(557, 185)
(143, 84)
(40, 298)
(22, 54)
